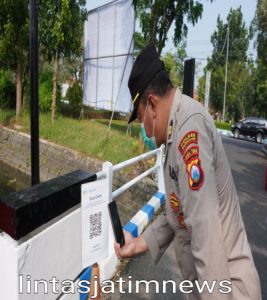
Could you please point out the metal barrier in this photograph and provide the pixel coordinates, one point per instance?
(109, 169)
(141, 219)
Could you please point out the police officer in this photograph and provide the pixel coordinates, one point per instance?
(203, 217)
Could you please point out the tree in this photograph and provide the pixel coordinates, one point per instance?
(14, 42)
(238, 39)
(61, 29)
(157, 16)
(239, 97)
(259, 28)
(139, 42)
(174, 64)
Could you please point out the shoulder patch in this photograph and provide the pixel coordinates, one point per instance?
(190, 153)
(191, 159)
(195, 173)
(190, 137)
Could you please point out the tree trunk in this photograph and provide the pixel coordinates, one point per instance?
(54, 98)
(18, 91)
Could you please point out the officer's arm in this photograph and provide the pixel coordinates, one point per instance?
(200, 201)
(158, 237)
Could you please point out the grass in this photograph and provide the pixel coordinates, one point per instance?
(7, 116)
(86, 136)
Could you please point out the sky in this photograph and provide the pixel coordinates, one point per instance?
(198, 38)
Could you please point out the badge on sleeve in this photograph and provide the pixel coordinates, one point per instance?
(190, 153)
(192, 160)
(195, 174)
(190, 138)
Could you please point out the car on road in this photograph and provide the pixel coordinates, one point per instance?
(252, 127)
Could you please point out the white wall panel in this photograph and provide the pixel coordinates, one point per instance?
(108, 40)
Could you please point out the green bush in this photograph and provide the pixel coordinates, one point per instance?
(74, 96)
(45, 95)
(223, 125)
(7, 90)
(46, 92)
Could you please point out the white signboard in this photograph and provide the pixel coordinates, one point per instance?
(108, 48)
(95, 222)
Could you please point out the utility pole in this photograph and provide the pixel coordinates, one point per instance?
(226, 70)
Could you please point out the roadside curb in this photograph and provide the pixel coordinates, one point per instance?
(225, 132)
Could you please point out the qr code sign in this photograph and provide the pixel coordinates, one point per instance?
(95, 224)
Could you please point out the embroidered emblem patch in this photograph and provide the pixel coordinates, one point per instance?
(181, 222)
(190, 138)
(175, 202)
(192, 160)
(191, 152)
(195, 174)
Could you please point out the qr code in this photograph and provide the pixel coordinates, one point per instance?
(95, 222)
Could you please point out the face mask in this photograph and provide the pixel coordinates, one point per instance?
(150, 142)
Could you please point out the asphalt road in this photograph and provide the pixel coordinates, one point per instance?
(248, 165)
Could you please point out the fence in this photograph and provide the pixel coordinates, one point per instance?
(137, 224)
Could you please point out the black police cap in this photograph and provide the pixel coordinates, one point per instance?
(146, 66)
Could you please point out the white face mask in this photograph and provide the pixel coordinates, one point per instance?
(150, 142)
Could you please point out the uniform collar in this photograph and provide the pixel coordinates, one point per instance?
(174, 108)
(172, 118)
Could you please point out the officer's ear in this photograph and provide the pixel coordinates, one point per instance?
(153, 103)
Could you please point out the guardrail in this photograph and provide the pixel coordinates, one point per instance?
(109, 169)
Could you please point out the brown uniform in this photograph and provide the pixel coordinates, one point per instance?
(203, 216)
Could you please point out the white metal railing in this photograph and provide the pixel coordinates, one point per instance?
(108, 170)
(137, 223)
(135, 160)
(133, 181)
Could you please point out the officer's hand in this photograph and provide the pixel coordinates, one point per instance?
(128, 249)
(132, 246)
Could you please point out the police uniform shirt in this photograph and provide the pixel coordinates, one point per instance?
(203, 217)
